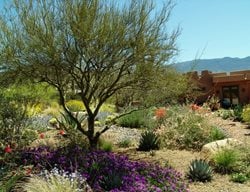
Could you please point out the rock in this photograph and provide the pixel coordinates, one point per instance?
(210, 149)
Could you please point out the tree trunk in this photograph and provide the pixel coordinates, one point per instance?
(93, 139)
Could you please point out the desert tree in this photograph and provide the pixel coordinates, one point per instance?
(99, 46)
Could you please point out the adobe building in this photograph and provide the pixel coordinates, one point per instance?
(230, 88)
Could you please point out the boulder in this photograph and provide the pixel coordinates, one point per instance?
(210, 149)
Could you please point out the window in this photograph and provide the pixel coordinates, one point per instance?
(230, 95)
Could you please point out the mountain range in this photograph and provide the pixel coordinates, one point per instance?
(225, 64)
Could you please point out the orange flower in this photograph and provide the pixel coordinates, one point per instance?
(160, 113)
(194, 107)
(8, 149)
(42, 135)
(61, 132)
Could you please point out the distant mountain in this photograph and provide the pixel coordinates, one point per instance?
(225, 64)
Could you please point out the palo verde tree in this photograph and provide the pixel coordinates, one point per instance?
(99, 46)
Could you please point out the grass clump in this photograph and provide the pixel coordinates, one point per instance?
(217, 134)
(226, 161)
(56, 181)
(125, 143)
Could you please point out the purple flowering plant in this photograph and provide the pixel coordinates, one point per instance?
(107, 171)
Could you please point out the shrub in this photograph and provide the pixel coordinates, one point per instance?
(149, 141)
(185, 129)
(105, 145)
(226, 114)
(226, 161)
(99, 166)
(239, 177)
(246, 114)
(75, 105)
(137, 119)
(199, 170)
(217, 134)
(106, 107)
(237, 112)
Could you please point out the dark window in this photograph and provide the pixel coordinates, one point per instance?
(230, 95)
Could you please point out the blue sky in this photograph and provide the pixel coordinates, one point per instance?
(212, 28)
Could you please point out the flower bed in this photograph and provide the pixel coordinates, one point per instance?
(106, 171)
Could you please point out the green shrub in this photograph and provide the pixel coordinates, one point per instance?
(246, 114)
(226, 161)
(106, 107)
(137, 119)
(217, 134)
(105, 145)
(239, 177)
(149, 141)
(199, 170)
(28, 136)
(226, 114)
(75, 105)
(237, 112)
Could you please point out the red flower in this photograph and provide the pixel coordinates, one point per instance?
(160, 113)
(194, 107)
(8, 149)
(61, 132)
(28, 171)
(42, 135)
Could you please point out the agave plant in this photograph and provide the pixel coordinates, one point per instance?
(199, 170)
(149, 141)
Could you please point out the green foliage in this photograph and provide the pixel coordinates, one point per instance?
(225, 113)
(109, 50)
(237, 111)
(125, 143)
(13, 118)
(112, 180)
(9, 177)
(199, 170)
(69, 125)
(75, 105)
(105, 145)
(217, 134)
(137, 119)
(149, 141)
(226, 161)
(27, 137)
(185, 129)
(106, 107)
(239, 177)
(246, 114)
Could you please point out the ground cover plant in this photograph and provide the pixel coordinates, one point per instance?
(107, 171)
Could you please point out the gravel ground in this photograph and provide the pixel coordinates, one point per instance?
(180, 160)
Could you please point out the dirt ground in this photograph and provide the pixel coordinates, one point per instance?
(180, 160)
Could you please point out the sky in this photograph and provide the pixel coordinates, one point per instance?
(209, 28)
